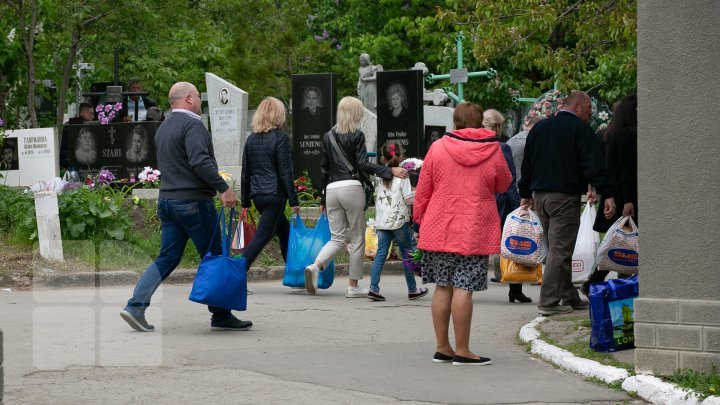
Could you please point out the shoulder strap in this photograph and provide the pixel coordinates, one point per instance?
(340, 151)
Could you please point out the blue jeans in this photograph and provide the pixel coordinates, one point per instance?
(403, 237)
(181, 220)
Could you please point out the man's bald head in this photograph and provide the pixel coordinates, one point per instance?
(578, 102)
(185, 95)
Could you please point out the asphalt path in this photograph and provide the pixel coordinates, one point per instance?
(70, 346)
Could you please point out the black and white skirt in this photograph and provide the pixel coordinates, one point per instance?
(455, 270)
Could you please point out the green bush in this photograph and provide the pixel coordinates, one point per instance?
(94, 214)
(17, 215)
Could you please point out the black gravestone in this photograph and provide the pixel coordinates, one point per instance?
(123, 148)
(314, 97)
(400, 110)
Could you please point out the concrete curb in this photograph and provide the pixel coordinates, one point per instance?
(648, 387)
(46, 277)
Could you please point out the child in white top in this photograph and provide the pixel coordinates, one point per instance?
(393, 199)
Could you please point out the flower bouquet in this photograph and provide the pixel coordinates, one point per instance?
(601, 118)
(412, 165)
(149, 177)
(107, 112)
(305, 190)
(413, 260)
(104, 178)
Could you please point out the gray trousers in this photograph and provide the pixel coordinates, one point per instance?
(346, 214)
(560, 217)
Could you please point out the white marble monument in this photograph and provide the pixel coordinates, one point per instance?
(33, 157)
(228, 107)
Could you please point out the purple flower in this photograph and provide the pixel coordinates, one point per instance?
(311, 17)
(98, 108)
(325, 34)
(1, 122)
(338, 47)
(318, 38)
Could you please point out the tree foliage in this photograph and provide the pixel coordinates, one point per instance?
(585, 44)
(259, 44)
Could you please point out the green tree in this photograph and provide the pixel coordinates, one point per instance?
(585, 43)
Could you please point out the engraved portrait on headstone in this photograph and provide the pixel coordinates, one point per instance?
(400, 110)
(9, 157)
(85, 147)
(136, 149)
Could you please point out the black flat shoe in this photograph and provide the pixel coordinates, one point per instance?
(466, 361)
(441, 358)
(513, 296)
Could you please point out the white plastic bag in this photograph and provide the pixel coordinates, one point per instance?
(585, 254)
(618, 251)
(56, 185)
(523, 240)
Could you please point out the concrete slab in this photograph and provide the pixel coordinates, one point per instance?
(70, 346)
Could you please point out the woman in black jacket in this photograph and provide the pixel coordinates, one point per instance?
(621, 172)
(343, 195)
(267, 177)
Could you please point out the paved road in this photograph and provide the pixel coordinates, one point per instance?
(71, 347)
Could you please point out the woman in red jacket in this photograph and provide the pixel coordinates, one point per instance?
(459, 226)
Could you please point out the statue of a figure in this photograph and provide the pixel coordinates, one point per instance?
(366, 87)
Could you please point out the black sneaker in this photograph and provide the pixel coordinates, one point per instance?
(442, 358)
(135, 317)
(421, 292)
(230, 323)
(375, 296)
(466, 361)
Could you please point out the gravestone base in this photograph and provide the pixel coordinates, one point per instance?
(146, 193)
(676, 333)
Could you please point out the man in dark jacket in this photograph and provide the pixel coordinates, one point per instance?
(190, 181)
(561, 158)
(135, 107)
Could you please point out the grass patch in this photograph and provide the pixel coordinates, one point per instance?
(581, 347)
(704, 384)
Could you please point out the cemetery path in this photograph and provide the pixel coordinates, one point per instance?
(70, 346)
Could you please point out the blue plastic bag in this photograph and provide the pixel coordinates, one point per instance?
(221, 281)
(303, 247)
(612, 314)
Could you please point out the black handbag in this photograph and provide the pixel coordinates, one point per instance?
(366, 183)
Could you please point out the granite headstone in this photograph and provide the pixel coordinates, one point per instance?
(314, 99)
(228, 106)
(400, 110)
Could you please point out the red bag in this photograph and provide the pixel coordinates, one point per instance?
(244, 232)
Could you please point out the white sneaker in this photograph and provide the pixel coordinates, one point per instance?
(311, 278)
(357, 292)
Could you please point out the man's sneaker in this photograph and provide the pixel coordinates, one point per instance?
(375, 296)
(230, 323)
(555, 310)
(579, 304)
(419, 292)
(356, 292)
(135, 317)
(311, 278)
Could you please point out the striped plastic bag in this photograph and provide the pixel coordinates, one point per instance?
(523, 240)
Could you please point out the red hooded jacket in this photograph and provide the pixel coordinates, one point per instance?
(455, 197)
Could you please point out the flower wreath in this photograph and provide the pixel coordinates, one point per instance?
(546, 105)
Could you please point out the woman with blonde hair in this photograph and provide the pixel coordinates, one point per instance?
(267, 177)
(508, 201)
(343, 196)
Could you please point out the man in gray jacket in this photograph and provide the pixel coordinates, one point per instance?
(517, 143)
(190, 181)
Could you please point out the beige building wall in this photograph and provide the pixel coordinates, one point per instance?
(678, 311)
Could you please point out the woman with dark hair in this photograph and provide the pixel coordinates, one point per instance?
(459, 225)
(621, 172)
